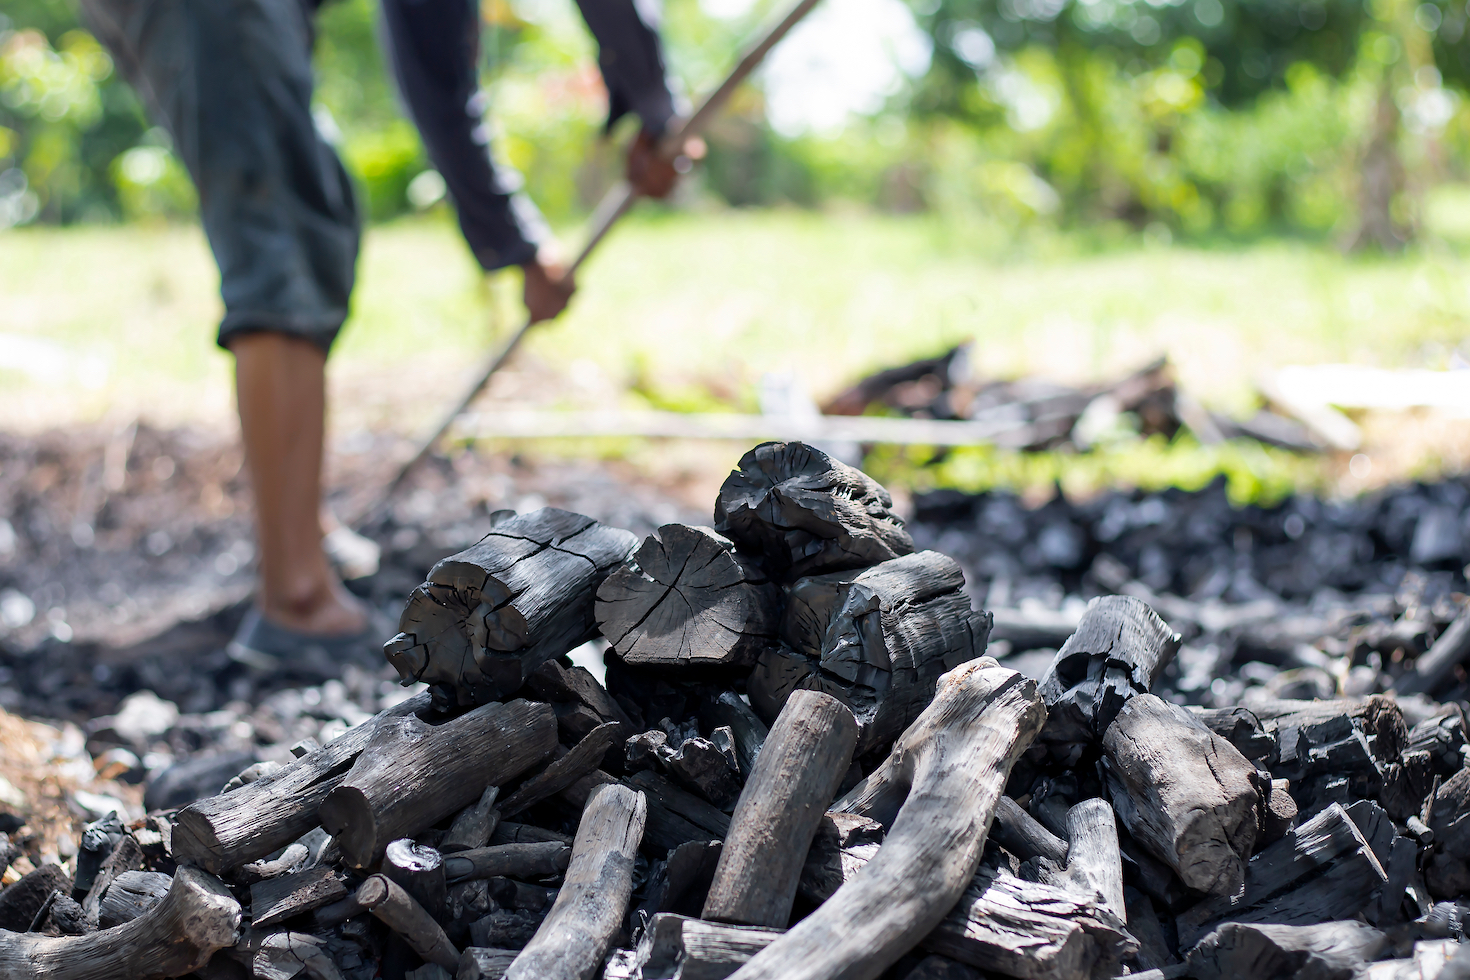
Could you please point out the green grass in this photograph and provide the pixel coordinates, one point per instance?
(692, 308)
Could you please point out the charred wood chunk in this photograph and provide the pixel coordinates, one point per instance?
(1443, 738)
(843, 844)
(681, 883)
(1183, 792)
(1030, 930)
(1118, 651)
(1020, 833)
(481, 963)
(579, 930)
(1438, 664)
(805, 513)
(699, 763)
(1278, 812)
(508, 832)
(568, 767)
(727, 710)
(676, 945)
(412, 775)
(581, 703)
(676, 817)
(687, 598)
(803, 762)
(506, 928)
(1242, 729)
(1448, 873)
(877, 640)
(418, 870)
(248, 823)
(1154, 952)
(1094, 867)
(936, 792)
(1333, 736)
(283, 955)
(489, 616)
(397, 910)
(278, 899)
(512, 860)
(1323, 870)
(177, 936)
(22, 902)
(127, 855)
(131, 894)
(1328, 951)
(474, 825)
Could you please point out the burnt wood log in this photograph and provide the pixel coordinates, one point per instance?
(679, 813)
(581, 703)
(579, 930)
(687, 598)
(803, 762)
(805, 513)
(691, 949)
(484, 963)
(278, 899)
(397, 910)
(509, 832)
(1183, 792)
(1321, 871)
(877, 640)
(248, 823)
(509, 860)
(1020, 833)
(1443, 737)
(1242, 729)
(1094, 865)
(22, 902)
(418, 870)
(474, 825)
(412, 775)
(1332, 736)
(937, 792)
(1118, 651)
(489, 616)
(1329, 951)
(130, 895)
(582, 759)
(177, 936)
(1439, 662)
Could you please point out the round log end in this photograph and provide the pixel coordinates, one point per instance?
(347, 815)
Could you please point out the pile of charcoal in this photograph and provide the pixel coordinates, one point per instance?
(802, 763)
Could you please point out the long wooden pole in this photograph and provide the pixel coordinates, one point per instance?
(616, 203)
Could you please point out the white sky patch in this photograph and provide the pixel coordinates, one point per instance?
(846, 58)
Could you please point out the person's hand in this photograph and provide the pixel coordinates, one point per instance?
(548, 289)
(650, 174)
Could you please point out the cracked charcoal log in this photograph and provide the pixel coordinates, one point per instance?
(1183, 792)
(1242, 729)
(877, 640)
(177, 936)
(1329, 951)
(509, 860)
(579, 930)
(805, 513)
(509, 832)
(1119, 650)
(398, 911)
(249, 823)
(483, 963)
(474, 825)
(581, 703)
(1028, 929)
(489, 616)
(937, 792)
(130, 895)
(691, 949)
(278, 899)
(687, 598)
(1094, 865)
(418, 870)
(568, 767)
(22, 901)
(412, 775)
(708, 768)
(1020, 833)
(750, 732)
(284, 955)
(98, 840)
(1323, 870)
(1438, 664)
(1332, 736)
(804, 760)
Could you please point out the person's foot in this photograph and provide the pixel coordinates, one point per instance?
(332, 612)
(269, 646)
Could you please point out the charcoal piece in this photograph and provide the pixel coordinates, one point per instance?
(539, 860)
(1019, 832)
(686, 598)
(1329, 951)
(843, 844)
(1242, 729)
(675, 815)
(1183, 792)
(193, 779)
(505, 928)
(98, 840)
(682, 882)
(728, 710)
(397, 910)
(581, 703)
(277, 899)
(126, 856)
(1448, 872)
(481, 963)
(1321, 871)
(1094, 867)
(1154, 952)
(22, 901)
(806, 513)
(131, 894)
(688, 948)
(489, 616)
(419, 870)
(1278, 812)
(1325, 736)
(474, 825)
(566, 769)
(1119, 649)
(67, 917)
(1443, 738)
(877, 640)
(509, 832)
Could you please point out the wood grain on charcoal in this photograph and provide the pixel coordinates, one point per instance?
(805, 512)
(687, 598)
(1094, 867)
(876, 639)
(489, 616)
(1183, 792)
(177, 936)
(937, 793)
(277, 899)
(571, 766)
(509, 860)
(131, 894)
(246, 824)
(578, 932)
(411, 775)
(795, 779)
(473, 826)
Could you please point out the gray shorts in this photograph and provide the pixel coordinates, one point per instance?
(231, 81)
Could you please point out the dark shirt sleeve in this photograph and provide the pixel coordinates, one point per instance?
(433, 46)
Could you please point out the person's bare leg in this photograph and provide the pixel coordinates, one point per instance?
(281, 388)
